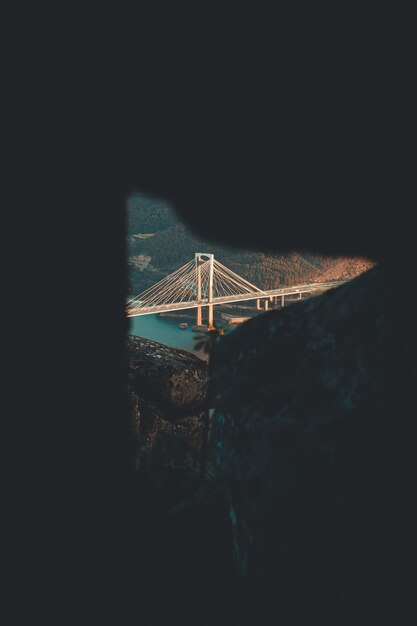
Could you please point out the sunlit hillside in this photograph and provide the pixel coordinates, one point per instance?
(158, 244)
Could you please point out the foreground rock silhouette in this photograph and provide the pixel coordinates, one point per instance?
(300, 145)
(168, 402)
(314, 433)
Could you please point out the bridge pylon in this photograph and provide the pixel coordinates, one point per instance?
(198, 262)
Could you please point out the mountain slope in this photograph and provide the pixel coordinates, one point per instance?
(172, 244)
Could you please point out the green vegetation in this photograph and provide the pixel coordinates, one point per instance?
(148, 215)
(173, 244)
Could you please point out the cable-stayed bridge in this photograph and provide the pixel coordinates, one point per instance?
(205, 282)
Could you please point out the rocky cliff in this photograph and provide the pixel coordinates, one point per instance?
(168, 401)
(314, 433)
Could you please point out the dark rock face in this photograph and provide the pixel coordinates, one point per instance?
(171, 378)
(72, 452)
(317, 442)
(168, 400)
(314, 431)
(301, 155)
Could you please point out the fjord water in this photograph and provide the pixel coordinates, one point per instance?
(165, 330)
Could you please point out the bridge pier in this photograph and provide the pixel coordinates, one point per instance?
(299, 296)
(210, 321)
(282, 301)
(199, 316)
(266, 304)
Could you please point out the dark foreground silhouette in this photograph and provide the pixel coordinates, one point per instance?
(310, 517)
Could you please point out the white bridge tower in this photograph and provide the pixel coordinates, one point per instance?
(198, 262)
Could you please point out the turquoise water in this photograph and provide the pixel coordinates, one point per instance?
(165, 330)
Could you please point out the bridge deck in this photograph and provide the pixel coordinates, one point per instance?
(283, 291)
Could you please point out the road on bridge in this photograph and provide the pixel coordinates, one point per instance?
(137, 308)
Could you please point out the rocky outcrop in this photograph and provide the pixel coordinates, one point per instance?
(139, 261)
(168, 400)
(171, 378)
(314, 432)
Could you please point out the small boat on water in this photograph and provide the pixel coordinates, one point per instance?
(184, 325)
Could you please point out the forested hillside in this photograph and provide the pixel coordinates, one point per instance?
(172, 244)
(148, 215)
